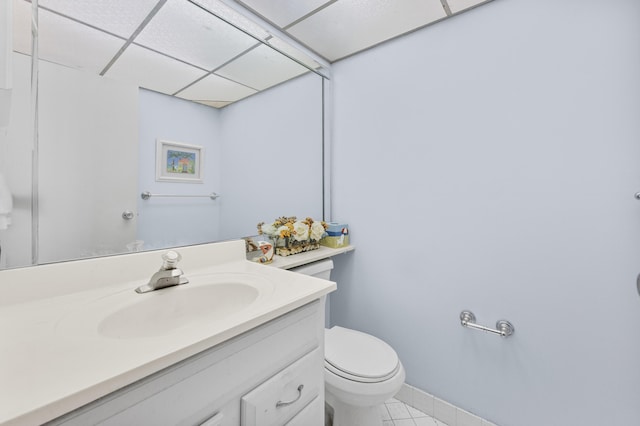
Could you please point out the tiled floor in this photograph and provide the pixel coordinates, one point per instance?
(397, 413)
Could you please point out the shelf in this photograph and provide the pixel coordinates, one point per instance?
(288, 262)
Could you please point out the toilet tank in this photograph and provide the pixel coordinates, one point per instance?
(320, 269)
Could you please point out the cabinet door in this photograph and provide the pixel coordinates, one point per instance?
(284, 395)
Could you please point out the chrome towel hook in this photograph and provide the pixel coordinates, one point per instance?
(503, 327)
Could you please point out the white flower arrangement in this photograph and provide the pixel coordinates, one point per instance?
(300, 231)
(318, 229)
(293, 236)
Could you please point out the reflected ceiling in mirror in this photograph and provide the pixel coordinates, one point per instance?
(199, 50)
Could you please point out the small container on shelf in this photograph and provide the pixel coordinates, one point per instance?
(337, 235)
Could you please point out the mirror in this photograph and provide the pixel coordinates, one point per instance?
(121, 88)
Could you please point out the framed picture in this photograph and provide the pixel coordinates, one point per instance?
(179, 162)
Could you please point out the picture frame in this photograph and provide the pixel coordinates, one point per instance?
(179, 162)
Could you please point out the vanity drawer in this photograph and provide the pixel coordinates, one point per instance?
(284, 395)
(312, 414)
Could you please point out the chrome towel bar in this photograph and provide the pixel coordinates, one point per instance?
(147, 195)
(503, 327)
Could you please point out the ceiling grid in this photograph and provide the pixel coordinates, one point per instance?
(182, 47)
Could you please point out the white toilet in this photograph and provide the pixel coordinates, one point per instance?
(360, 371)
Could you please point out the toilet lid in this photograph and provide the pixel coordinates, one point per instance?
(358, 356)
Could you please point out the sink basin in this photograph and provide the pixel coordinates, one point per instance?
(174, 307)
(205, 299)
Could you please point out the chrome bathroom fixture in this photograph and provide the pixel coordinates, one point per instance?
(503, 327)
(128, 215)
(147, 195)
(169, 274)
(285, 403)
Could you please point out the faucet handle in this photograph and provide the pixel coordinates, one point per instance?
(171, 259)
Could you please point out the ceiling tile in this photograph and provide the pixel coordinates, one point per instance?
(185, 31)
(121, 17)
(69, 43)
(261, 68)
(460, 5)
(153, 71)
(214, 104)
(348, 26)
(283, 12)
(214, 88)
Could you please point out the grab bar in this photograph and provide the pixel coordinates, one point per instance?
(147, 195)
(503, 327)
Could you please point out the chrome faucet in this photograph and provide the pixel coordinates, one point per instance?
(168, 275)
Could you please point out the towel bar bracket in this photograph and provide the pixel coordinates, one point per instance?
(503, 327)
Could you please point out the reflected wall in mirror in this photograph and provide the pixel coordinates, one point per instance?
(257, 114)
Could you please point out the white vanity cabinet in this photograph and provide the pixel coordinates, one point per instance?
(271, 375)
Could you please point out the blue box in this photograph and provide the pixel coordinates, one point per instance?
(337, 229)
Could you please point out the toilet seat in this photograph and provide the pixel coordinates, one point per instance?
(358, 356)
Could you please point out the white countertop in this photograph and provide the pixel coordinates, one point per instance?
(53, 358)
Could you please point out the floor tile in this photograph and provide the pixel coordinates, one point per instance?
(397, 413)
(398, 410)
(425, 421)
(415, 413)
(404, 422)
(384, 412)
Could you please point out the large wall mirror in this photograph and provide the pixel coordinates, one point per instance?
(124, 85)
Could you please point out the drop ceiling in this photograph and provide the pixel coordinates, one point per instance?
(182, 47)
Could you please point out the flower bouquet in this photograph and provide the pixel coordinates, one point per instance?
(292, 236)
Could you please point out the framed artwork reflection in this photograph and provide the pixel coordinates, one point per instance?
(179, 162)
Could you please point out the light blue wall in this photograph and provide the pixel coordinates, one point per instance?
(489, 163)
(272, 156)
(166, 222)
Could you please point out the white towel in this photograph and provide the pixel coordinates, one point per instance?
(6, 204)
